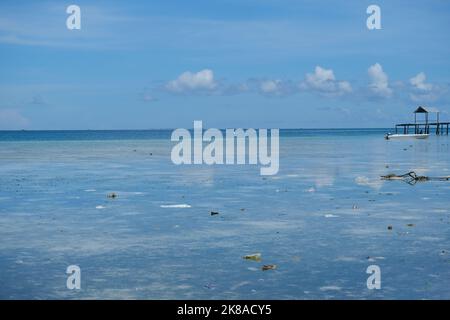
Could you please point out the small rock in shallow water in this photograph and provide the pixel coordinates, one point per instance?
(269, 267)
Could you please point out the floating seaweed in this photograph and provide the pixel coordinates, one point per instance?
(254, 257)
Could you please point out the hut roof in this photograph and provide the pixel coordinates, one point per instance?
(421, 109)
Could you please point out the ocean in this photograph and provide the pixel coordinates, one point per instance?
(322, 220)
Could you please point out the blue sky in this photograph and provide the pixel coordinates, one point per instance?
(230, 63)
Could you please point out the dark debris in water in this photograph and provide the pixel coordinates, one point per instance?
(412, 178)
(268, 267)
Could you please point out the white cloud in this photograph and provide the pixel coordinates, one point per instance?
(324, 81)
(344, 86)
(418, 82)
(188, 81)
(379, 81)
(421, 91)
(275, 87)
(11, 119)
(270, 86)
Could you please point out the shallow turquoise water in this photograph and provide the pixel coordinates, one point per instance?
(322, 219)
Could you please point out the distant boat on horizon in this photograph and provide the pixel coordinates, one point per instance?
(389, 136)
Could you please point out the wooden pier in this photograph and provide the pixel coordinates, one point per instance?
(425, 127)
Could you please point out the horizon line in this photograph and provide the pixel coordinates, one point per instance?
(156, 129)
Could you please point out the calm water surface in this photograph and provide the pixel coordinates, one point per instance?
(323, 219)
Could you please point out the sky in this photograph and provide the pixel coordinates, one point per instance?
(230, 63)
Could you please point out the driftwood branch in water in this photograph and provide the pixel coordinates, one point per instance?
(412, 178)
